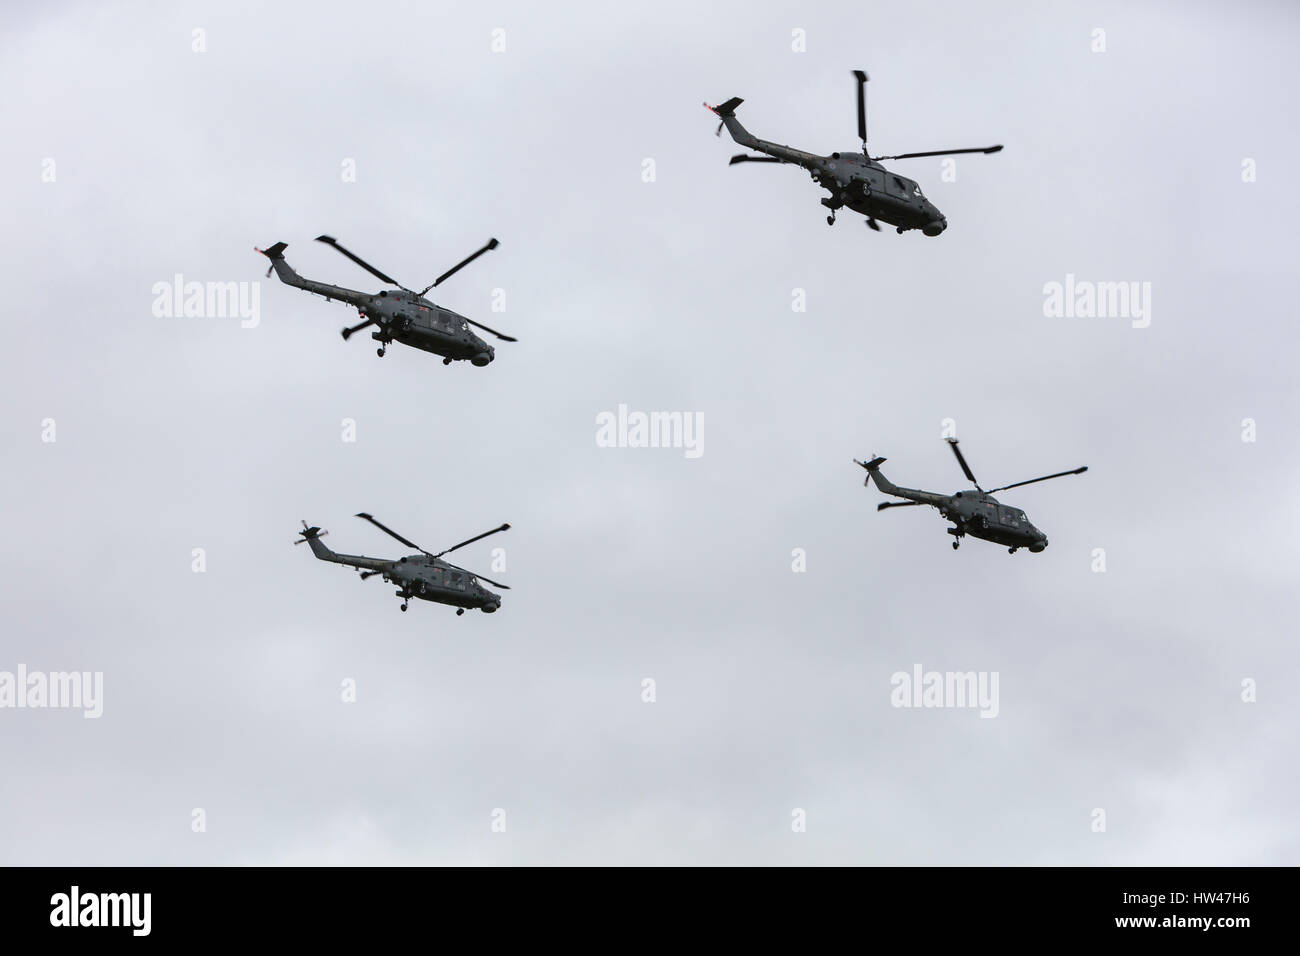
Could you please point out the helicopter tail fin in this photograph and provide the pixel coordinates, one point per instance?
(873, 471)
(279, 263)
(728, 108)
(727, 113)
(313, 536)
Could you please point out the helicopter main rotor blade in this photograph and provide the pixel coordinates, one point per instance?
(477, 575)
(331, 241)
(952, 443)
(1059, 474)
(896, 504)
(491, 244)
(392, 533)
(944, 152)
(501, 335)
(454, 547)
(753, 159)
(862, 106)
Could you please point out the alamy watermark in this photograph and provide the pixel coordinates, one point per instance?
(1085, 299)
(128, 910)
(624, 429)
(179, 299)
(958, 689)
(64, 690)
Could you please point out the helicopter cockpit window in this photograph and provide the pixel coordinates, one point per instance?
(900, 184)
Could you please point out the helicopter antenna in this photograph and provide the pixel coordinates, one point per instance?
(862, 109)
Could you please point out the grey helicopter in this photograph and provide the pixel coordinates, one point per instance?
(401, 316)
(976, 513)
(856, 180)
(425, 576)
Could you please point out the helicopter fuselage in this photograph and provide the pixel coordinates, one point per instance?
(870, 189)
(430, 579)
(419, 323)
(980, 515)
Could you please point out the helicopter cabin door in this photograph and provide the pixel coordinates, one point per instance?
(898, 188)
(873, 178)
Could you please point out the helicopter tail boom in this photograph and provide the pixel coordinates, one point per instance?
(288, 276)
(889, 488)
(313, 537)
(776, 151)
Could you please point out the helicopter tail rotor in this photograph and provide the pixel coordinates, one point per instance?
(724, 110)
(727, 111)
(310, 534)
(273, 253)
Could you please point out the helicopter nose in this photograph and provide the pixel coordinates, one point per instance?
(1038, 545)
(935, 226)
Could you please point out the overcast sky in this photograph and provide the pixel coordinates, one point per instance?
(1120, 690)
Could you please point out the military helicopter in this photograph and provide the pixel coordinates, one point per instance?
(856, 181)
(406, 316)
(976, 513)
(424, 575)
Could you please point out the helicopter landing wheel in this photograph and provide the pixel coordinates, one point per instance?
(403, 605)
(956, 545)
(830, 220)
(900, 230)
(379, 352)
(1012, 550)
(446, 361)
(460, 611)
